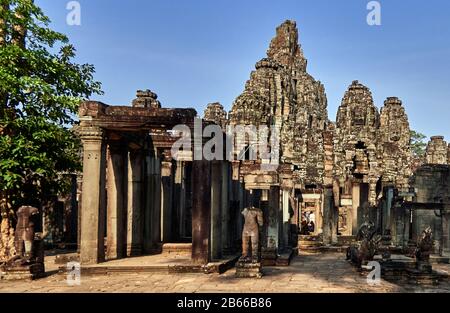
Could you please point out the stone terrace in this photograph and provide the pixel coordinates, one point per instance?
(328, 273)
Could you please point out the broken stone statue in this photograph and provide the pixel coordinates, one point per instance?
(367, 245)
(29, 259)
(424, 249)
(249, 264)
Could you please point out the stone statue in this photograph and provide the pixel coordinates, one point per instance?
(24, 236)
(367, 246)
(28, 262)
(253, 220)
(424, 246)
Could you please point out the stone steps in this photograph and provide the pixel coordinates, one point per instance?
(177, 248)
(309, 243)
(219, 267)
(439, 259)
(27, 272)
(346, 240)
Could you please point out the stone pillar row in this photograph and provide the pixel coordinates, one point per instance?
(129, 198)
(120, 212)
(125, 181)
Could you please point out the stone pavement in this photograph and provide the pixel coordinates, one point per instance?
(327, 273)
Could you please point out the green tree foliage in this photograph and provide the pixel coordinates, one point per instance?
(40, 90)
(418, 144)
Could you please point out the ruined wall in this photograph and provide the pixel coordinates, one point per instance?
(280, 92)
(432, 185)
(437, 151)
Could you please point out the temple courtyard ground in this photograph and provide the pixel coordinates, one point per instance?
(318, 273)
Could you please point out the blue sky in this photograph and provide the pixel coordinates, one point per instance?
(194, 52)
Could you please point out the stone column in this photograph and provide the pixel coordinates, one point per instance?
(135, 203)
(179, 201)
(407, 227)
(330, 218)
(148, 242)
(446, 232)
(153, 200)
(116, 210)
(201, 211)
(166, 201)
(273, 218)
(285, 219)
(225, 208)
(216, 210)
(397, 224)
(388, 220)
(242, 204)
(356, 194)
(93, 201)
(235, 215)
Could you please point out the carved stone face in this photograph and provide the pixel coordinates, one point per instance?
(358, 116)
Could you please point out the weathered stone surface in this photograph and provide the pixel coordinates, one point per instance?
(448, 154)
(437, 151)
(215, 113)
(7, 247)
(248, 269)
(146, 99)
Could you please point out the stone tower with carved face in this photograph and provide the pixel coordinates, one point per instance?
(281, 93)
(394, 144)
(355, 141)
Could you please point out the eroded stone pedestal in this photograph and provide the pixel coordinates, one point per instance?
(248, 269)
(25, 272)
(269, 256)
(402, 269)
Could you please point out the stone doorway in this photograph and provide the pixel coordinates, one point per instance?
(360, 203)
(311, 209)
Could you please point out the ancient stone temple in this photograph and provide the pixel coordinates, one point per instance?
(345, 173)
(322, 182)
